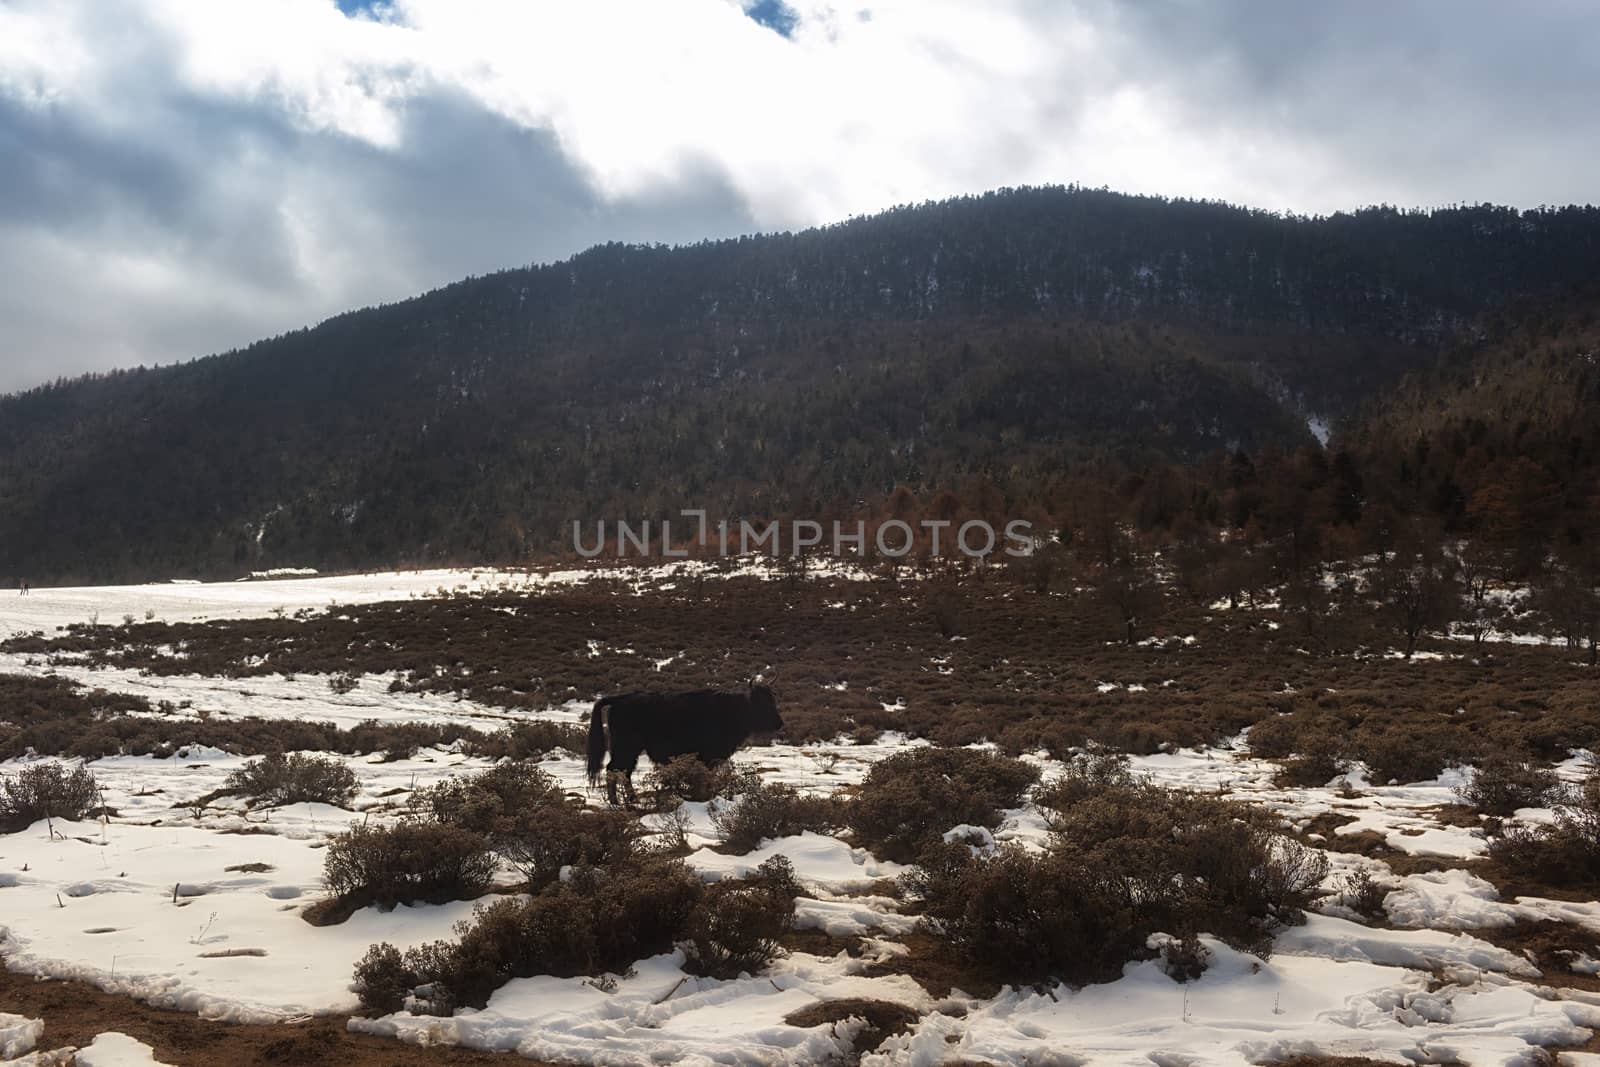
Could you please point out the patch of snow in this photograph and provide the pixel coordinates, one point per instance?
(112, 1049)
(1416, 835)
(818, 860)
(18, 1034)
(128, 934)
(659, 1014)
(47, 608)
(1243, 1010)
(852, 916)
(1448, 900)
(1339, 939)
(979, 838)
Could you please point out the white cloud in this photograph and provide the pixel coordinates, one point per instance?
(188, 174)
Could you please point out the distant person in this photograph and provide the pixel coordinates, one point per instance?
(24, 587)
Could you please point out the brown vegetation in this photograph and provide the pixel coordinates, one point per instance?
(297, 778)
(1501, 784)
(910, 799)
(1025, 674)
(74, 1013)
(598, 920)
(738, 927)
(46, 790)
(1563, 853)
(775, 810)
(405, 862)
(1128, 860)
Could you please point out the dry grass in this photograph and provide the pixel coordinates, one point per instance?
(74, 1013)
(1023, 671)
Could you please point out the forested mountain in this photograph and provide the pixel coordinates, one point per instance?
(1006, 338)
(1502, 436)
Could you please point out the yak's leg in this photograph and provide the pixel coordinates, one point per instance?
(627, 787)
(623, 761)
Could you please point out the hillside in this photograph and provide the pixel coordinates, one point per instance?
(1005, 337)
(1506, 422)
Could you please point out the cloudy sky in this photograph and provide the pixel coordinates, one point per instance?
(182, 176)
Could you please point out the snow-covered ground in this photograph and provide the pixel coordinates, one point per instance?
(1244, 1011)
(304, 698)
(46, 609)
(199, 909)
(146, 904)
(660, 1015)
(109, 1049)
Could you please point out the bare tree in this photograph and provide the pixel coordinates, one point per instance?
(1567, 601)
(1417, 593)
(1127, 586)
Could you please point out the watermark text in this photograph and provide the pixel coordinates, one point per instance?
(891, 539)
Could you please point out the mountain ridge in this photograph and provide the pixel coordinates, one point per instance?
(1003, 336)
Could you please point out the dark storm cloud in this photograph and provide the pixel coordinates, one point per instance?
(59, 174)
(151, 249)
(469, 192)
(178, 185)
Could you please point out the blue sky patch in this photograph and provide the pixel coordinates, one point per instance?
(775, 15)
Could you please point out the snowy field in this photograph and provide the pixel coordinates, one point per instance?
(45, 609)
(199, 909)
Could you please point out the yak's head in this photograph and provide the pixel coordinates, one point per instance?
(764, 717)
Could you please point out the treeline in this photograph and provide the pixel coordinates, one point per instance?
(1311, 531)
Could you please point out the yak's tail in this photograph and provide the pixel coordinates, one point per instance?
(597, 739)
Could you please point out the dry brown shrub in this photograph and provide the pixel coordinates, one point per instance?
(406, 862)
(774, 810)
(689, 778)
(1319, 761)
(492, 800)
(1501, 784)
(1028, 915)
(566, 834)
(1086, 775)
(1563, 853)
(909, 800)
(46, 790)
(737, 928)
(296, 778)
(596, 921)
(1190, 861)
(531, 740)
(1413, 752)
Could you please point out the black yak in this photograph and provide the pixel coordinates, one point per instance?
(706, 724)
